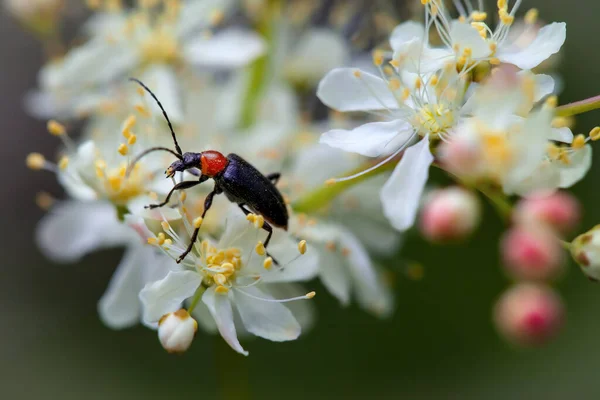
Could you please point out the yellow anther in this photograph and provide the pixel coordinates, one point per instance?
(100, 164)
(115, 182)
(462, 60)
(55, 128)
(395, 63)
(140, 91)
(425, 2)
(129, 123)
(501, 4)
(405, 94)
(378, 57)
(553, 151)
(578, 142)
(167, 243)
(126, 133)
(197, 222)
(302, 246)
(221, 290)
(165, 225)
(310, 295)
(330, 182)
(268, 263)
(357, 73)
(467, 52)
(562, 122)
(389, 71)
(418, 83)
(63, 163)
(35, 161)
(161, 238)
(564, 157)
(551, 102)
(251, 217)
(183, 196)
(595, 133)
(505, 17)
(434, 80)
(152, 241)
(142, 110)
(495, 61)
(260, 249)
(259, 221)
(531, 16)
(123, 149)
(132, 139)
(394, 84)
(478, 16)
(493, 47)
(220, 279)
(330, 245)
(216, 17)
(462, 19)
(44, 200)
(93, 4)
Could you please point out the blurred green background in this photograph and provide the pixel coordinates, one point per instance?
(439, 344)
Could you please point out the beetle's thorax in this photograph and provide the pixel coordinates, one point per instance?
(212, 163)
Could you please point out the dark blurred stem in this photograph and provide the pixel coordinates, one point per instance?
(258, 71)
(578, 107)
(232, 372)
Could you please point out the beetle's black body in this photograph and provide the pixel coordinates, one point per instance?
(233, 176)
(245, 185)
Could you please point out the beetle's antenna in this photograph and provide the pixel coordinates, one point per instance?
(150, 150)
(164, 113)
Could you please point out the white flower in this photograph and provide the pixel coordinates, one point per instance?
(233, 273)
(469, 40)
(73, 229)
(151, 43)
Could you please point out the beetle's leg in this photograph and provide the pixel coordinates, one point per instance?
(267, 228)
(179, 186)
(274, 177)
(207, 204)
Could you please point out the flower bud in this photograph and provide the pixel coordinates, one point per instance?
(450, 214)
(529, 314)
(532, 254)
(585, 250)
(559, 211)
(176, 331)
(461, 156)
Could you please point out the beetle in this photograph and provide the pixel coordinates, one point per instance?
(233, 176)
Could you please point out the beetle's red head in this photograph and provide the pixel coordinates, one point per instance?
(212, 163)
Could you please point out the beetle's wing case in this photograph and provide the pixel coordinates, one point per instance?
(242, 183)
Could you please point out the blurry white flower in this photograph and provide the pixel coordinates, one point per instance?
(152, 44)
(176, 331)
(29, 10)
(233, 273)
(469, 39)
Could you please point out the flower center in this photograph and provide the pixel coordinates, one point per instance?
(433, 119)
(118, 188)
(160, 47)
(219, 265)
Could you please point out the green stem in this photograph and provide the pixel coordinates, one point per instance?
(322, 196)
(197, 296)
(578, 107)
(258, 71)
(567, 245)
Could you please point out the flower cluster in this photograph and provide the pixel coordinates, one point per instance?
(287, 202)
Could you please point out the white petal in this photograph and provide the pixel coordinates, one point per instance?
(162, 80)
(580, 163)
(371, 293)
(546, 177)
(137, 206)
(269, 320)
(342, 90)
(284, 248)
(220, 308)
(232, 48)
(318, 51)
(406, 31)
(333, 275)
(544, 86)
(549, 40)
(119, 307)
(165, 296)
(564, 135)
(317, 163)
(303, 311)
(420, 58)
(466, 36)
(195, 16)
(370, 139)
(204, 318)
(401, 194)
(72, 229)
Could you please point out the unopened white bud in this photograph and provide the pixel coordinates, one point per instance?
(176, 331)
(450, 214)
(585, 249)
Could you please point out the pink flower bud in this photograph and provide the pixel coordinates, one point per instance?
(529, 314)
(559, 211)
(461, 156)
(531, 254)
(450, 214)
